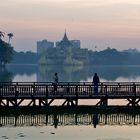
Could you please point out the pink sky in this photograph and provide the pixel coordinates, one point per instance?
(94, 22)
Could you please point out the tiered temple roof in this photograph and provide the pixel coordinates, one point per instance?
(65, 42)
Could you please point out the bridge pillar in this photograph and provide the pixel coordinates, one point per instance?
(40, 102)
(95, 120)
(15, 103)
(0, 102)
(133, 102)
(46, 119)
(43, 102)
(103, 102)
(55, 120)
(34, 102)
(70, 102)
(7, 102)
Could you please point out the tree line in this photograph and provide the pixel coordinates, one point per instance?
(6, 50)
(108, 56)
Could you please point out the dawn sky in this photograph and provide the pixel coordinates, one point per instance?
(114, 23)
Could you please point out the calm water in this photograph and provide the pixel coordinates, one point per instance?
(24, 73)
(72, 126)
(18, 73)
(71, 133)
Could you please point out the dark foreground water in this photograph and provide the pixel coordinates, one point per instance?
(114, 123)
(71, 133)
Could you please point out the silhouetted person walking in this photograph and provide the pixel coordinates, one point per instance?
(96, 81)
(55, 78)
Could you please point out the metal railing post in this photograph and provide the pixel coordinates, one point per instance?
(68, 89)
(47, 91)
(106, 91)
(16, 91)
(134, 89)
(76, 90)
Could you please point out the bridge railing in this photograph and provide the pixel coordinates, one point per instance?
(25, 89)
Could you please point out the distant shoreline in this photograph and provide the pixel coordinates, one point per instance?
(106, 57)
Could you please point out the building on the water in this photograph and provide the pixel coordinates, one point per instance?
(43, 45)
(65, 42)
(61, 52)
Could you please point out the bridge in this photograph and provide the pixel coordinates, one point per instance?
(44, 94)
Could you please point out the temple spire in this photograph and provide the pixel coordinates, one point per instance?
(65, 41)
(65, 38)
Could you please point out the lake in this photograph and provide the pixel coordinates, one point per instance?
(70, 124)
(33, 73)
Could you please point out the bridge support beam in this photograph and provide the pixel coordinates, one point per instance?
(70, 102)
(13, 102)
(43, 102)
(32, 103)
(133, 102)
(103, 102)
(2, 103)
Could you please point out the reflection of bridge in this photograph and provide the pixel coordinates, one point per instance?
(70, 119)
(43, 94)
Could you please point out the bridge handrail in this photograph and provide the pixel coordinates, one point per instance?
(80, 83)
(68, 88)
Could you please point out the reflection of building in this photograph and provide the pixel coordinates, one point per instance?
(63, 52)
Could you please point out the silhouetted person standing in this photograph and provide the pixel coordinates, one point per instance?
(55, 78)
(96, 81)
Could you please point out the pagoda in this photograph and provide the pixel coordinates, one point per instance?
(65, 42)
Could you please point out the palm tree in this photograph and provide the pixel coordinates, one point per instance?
(10, 35)
(1, 34)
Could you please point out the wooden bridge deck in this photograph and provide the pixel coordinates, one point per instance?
(71, 91)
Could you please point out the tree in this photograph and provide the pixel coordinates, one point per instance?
(6, 53)
(5, 76)
(1, 34)
(10, 35)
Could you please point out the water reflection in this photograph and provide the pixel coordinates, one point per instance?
(5, 76)
(66, 73)
(23, 73)
(79, 73)
(65, 117)
(74, 73)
